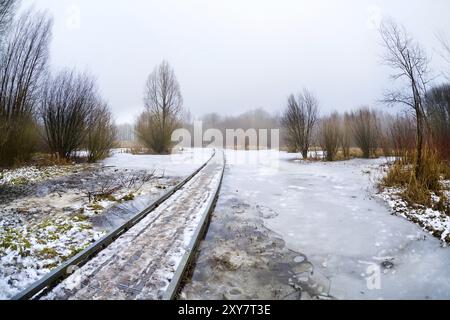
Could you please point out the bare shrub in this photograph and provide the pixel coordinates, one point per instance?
(385, 140)
(330, 136)
(19, 150)
(346, 137)
(403, 136)
(418, 191)
(66, 106)
(299, 120)
(6, 15)
(20, 82)
(149, 133)
(119, 182)
(3, 133)
(163, 104)
(366, 130)
(438, 111)
(101, 133)
(7, 10)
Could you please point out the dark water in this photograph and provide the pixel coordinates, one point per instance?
(242, 259)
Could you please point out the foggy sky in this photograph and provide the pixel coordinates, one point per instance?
(235, 55)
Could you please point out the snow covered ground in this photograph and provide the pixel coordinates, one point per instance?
(436, 222)
(283, 229)
(48, 214)
(331, 214)
(31, 174)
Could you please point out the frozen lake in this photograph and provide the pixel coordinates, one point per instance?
(330, 213)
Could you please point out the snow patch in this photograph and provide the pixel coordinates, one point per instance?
(435, 222)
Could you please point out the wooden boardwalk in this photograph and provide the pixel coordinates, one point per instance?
(142, 262)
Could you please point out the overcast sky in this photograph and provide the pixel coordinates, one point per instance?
(235, 55)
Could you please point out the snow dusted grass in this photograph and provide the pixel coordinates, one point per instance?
(32, 174)
(29, 252)
(141, 263)
(425, 200)
(37, 240)
(35, 236)
(47, 215)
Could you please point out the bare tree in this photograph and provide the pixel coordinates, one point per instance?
(7, 10)
(299, 121)
(366, 131)
(163, 104)
(101, 133)
(23, 63)
(410, 63)
(66, 108)
(293, 123)
(6, 16)
(330, 136)
(148, 134)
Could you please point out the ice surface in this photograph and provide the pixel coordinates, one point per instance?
(329, 212)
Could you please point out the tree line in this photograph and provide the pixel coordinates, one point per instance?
(63, 111)
(371, 131)
(424, 124)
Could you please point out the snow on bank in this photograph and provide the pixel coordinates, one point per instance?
(29, 252)
(435, 222)
(32, 174)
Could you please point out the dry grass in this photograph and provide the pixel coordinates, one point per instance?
(123, 144)
(419, 190)
(42, 160)
(354, 153)
(48, 160)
